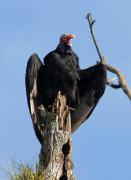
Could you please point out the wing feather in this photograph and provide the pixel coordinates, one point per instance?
(33, 77)
(91, 88)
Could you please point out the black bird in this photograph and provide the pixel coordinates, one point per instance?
(61, 72)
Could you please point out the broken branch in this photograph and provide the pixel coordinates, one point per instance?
(121, 79)
(122, 82)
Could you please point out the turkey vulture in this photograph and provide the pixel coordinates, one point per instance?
(61, 72)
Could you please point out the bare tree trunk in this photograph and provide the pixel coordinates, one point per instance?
(55, 156)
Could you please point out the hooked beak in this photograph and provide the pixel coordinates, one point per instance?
(69, 37)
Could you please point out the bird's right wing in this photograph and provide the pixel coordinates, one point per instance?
(33, 79)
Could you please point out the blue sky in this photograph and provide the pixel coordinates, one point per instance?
(102, 145)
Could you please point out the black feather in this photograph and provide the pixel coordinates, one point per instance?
(61, 72)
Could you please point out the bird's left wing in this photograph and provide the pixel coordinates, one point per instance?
(91, 88)
(33, 79)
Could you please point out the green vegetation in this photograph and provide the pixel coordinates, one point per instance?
(21, 171)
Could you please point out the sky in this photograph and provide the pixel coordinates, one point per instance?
(102, 145)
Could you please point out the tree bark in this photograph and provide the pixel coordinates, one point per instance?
(55, 156)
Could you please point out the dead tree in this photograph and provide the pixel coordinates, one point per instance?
(54, 128)
(55, 161)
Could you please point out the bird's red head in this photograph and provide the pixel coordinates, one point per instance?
(65, 39)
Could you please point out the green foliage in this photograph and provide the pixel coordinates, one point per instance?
(21, 171)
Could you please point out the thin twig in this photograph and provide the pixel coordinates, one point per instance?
(91, 23)
(115, 86)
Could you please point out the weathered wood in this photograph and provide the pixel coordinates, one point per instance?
(121, 79)
(55, 156)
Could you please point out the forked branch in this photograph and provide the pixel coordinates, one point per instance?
(121, 80)
(91, 23)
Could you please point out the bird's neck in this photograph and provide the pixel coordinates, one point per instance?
(64, 49)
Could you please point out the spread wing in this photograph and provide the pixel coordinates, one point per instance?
(91, 88)
(33, 81)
